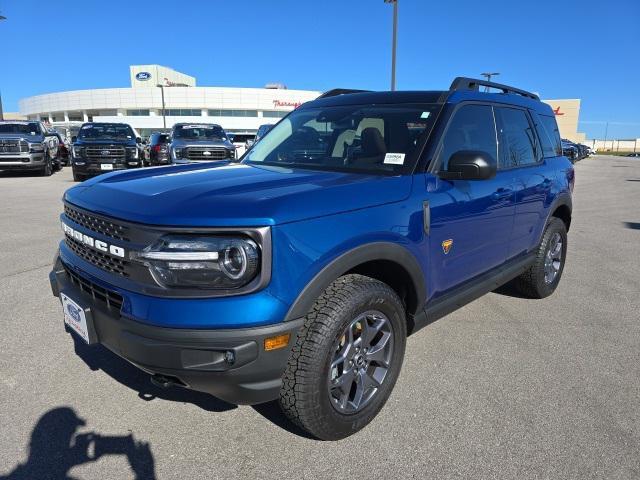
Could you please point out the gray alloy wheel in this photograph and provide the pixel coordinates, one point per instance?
(346, 358)
(553, 258)
(542, 277)
(361, 361)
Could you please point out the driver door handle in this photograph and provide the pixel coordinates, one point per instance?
(501, 194)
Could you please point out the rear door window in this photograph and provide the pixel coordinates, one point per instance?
(518, 142)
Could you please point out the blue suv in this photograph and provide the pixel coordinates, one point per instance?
(297, 273)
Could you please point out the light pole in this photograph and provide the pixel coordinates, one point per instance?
(488, 76)
(394, 42)
(1, 112)
(164, 118)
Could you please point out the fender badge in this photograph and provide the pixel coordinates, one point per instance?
(446, 246)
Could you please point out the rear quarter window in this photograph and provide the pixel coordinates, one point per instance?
(549, 136)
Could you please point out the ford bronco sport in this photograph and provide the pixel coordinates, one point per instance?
(298, 273)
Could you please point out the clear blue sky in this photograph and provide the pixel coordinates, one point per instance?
(585, 49)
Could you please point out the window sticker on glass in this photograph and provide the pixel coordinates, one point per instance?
(425, 114)
(394, 158)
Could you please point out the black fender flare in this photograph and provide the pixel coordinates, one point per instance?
(352, 258)
(560, 200)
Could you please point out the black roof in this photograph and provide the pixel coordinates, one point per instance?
(378, 98)
(343, 96)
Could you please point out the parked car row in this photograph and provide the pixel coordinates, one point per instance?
(575, 151)
(104, 147)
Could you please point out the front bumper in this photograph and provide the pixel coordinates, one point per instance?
(22, 161)
(230, 364)
(85, 167)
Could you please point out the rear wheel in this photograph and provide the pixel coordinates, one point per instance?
(347, 358)
(543, 276)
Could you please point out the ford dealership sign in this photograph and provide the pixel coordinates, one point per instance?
(143, 76)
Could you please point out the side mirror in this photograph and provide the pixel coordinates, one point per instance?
(138, 140)
(231, 137)
(470, 165)
(73, 139)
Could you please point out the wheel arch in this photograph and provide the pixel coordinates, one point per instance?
(561, 208)
(390, 263)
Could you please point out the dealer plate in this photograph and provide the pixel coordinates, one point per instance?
(74, 317)
(106, 166)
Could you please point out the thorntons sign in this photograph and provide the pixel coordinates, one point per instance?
(280, 103)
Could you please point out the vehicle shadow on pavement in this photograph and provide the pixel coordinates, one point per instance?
(98, 357)
(272, 412)
(56, 447)
(510, 290)
(632, 225)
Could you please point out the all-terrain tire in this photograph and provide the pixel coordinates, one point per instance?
(305, 393)
(532, 282)
(47, 168)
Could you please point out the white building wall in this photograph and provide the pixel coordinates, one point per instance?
(91, 102)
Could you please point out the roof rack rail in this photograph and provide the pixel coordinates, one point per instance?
(340, 91)
(464, 83)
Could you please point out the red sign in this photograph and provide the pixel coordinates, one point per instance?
(280, 103)
(558, 112)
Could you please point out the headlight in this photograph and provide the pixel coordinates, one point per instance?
(76, 151)
(205, 262)
(36, 147)
(133, 152)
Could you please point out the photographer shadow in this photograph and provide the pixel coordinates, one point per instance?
(56, 447)
(98, 357)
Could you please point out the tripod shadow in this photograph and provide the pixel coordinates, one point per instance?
(56, 447)
(98, 357)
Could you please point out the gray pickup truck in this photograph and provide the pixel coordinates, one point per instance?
(200, 142)
(28, 145)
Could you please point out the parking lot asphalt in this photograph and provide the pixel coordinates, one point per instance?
(506, 387)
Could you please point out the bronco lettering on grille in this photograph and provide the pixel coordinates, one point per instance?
(92, 242)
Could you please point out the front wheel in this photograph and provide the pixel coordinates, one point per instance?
(347, 358)
(47, 168)
(542, 277)
(77, 177)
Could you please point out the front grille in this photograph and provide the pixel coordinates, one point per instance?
(111, 299)
(214, 153)
(13, 146)
(99, 259)
(105, 153)
(98, 225)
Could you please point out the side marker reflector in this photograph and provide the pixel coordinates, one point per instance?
(279, 341)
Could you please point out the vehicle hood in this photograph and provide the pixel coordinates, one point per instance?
(220, 194)
(106, 141)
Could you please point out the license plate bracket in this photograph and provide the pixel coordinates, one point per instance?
(78, 318)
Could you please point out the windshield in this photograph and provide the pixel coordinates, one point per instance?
(376, 139)
(105, 130)
(23, 128)
(199, 132)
